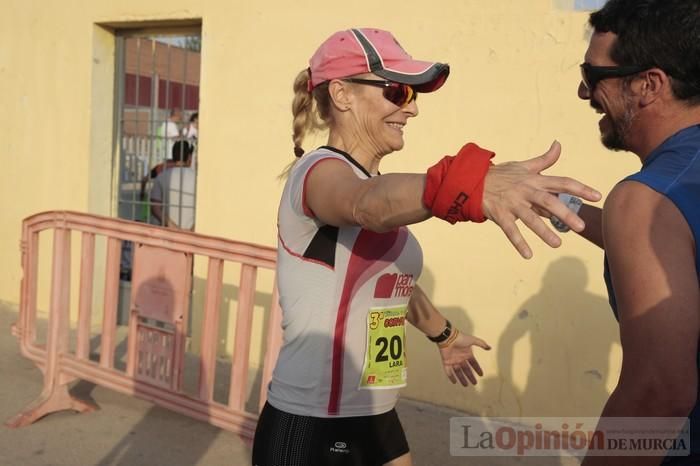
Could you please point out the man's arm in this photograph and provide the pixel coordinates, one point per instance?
(651, 253)
(593, 216)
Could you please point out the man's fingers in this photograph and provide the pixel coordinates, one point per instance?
(544, 161)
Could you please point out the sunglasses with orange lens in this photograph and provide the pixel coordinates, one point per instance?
(396, 93)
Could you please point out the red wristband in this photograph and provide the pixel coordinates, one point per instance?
(454, 187)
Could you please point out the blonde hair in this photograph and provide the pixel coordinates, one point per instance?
(310, 110)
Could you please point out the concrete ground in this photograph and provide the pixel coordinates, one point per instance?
(133, 432)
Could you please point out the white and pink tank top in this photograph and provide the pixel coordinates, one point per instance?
(343, 293)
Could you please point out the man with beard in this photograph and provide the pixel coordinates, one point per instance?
(642, 73)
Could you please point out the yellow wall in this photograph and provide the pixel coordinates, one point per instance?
(512, 89)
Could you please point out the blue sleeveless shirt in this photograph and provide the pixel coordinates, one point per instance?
(673, 170)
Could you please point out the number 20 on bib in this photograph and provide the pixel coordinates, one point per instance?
(385, 355)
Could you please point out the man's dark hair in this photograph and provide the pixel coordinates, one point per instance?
(182, 151)
(661, 34)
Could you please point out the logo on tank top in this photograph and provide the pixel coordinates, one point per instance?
(394, 285)
(340, 447)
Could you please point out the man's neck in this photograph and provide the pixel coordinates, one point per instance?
(661, 126)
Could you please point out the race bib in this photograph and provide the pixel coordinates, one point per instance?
(385, 356)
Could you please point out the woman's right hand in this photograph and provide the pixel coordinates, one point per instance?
(518, 191)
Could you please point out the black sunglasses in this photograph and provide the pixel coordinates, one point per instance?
(397, 93)
(591, 74)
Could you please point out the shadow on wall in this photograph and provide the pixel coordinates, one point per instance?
(571, 333)
(424, 361)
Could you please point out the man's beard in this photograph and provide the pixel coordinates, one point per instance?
(617, 138)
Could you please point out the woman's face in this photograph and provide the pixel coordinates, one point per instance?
(379, 124)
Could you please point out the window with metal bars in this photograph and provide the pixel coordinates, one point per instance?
(157, 117)
(158, 113)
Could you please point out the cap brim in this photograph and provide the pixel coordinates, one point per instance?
(422, 76)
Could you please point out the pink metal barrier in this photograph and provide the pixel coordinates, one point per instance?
(157, 323)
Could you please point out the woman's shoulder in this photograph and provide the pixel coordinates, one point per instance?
(309, 159)
(323, 152)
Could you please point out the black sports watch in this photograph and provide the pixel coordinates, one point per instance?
(444, 335)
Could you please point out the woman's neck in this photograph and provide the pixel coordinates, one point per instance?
(352, 146)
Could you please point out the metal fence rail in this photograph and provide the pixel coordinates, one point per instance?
(158, 308)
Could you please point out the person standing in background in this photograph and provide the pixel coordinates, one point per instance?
(173, 193)
(191, 134)
(168, 132)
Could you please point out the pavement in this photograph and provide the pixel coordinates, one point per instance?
(134, 432)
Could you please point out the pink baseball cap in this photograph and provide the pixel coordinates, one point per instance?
(368, 50)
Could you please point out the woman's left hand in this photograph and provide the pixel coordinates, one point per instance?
(458, 359)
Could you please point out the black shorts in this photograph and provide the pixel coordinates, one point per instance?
(283, 439)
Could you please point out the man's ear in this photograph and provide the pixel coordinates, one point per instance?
(654, 85)
(340, 94)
